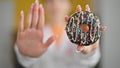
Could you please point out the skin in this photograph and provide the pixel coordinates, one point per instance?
(30, 37)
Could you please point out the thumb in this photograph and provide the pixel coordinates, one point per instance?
(80, 48)
(104, 28)
(50, 40)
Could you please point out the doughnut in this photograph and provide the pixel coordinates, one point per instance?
(83, 28)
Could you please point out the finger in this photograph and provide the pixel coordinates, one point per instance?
(35, 14)
(21, 22)
(49, 41)
(104, 28)
(78, 8)
(87, 8)
(80, 48)
(66, 18)
(86, 50)
(37, 1)
(90, 48)
(29, 17)
(83, 49)
(41, 17)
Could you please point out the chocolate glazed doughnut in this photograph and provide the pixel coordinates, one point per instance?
(83, 28)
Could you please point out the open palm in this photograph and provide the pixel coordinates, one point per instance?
(30, 38)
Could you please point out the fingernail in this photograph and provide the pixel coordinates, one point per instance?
(87, 5)
(21, 12)
(36, 1)
(41, 5)
(87, 8)
(78, 6)
(66, 18)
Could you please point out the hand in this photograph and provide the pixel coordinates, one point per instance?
(30, 38)
(90, 48)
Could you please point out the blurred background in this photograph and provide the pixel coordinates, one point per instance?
(107, 10)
